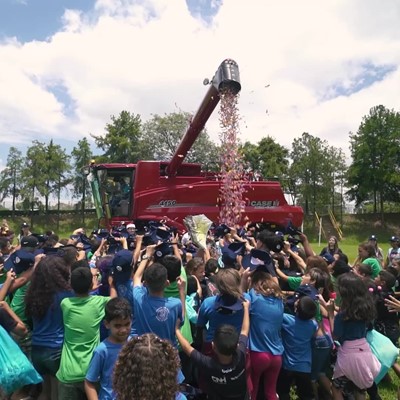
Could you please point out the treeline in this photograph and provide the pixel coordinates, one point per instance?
(312, 170)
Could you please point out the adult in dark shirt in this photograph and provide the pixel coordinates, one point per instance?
(225, 372)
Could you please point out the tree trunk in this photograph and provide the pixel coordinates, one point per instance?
(14, 192)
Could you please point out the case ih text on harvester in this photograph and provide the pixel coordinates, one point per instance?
(170, 191)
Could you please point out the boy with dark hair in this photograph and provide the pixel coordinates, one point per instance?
(153, 312)
(297, 333)
(224, 374)
(173, 265)
(118, 320)
(82, 316)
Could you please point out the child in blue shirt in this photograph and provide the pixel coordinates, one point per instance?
(297, 334)
(153, 312)
(118, 319)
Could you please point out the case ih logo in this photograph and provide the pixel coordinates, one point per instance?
(264, 203)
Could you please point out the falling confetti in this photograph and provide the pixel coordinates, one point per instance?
(232, 170)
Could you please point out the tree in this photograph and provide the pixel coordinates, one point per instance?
(57, 165)
(10, 177)
(81, 155)
(375, 150)
(32, 173)
(267, 157)
(44, 172)
(162, 134)
(313, 170)
(122, 141)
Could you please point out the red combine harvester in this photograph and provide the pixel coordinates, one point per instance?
(162, 190)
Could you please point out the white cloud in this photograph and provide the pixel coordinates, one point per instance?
(151, 56)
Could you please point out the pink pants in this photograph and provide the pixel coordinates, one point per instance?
(265, 366)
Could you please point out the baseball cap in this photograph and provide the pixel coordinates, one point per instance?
(121, 268)
(373, 237)
(394, 239)
(221, 230)
(129, 226)
(256, 259)
(230, 252)
(20, 261)
(328, 258)
(25, 225)
(162, 250)
(29, 241)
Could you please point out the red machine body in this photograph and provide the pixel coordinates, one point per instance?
(160, 190)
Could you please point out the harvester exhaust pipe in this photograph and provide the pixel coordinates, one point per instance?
(226, 78)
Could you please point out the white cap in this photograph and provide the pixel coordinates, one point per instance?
(131, 226)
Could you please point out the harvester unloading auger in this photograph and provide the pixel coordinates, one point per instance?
(171, 190)
(226, 77)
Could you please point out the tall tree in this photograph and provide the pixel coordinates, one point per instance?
(10, 177)
(162, 134)
(57, 166)
(375, 151)
(314, 163)
(45, 172)
(122, 140)
(81, 155)
(32, 174)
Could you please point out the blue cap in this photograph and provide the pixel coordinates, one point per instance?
(121, 268)
(328, 258)
(231, 251)
(221, 230)
(20, 261)
(162, 250)
(257, 259)
(101, 233)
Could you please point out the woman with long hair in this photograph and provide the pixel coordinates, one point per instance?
(265, 341)
(332, 248)
(356, 367)
(147, 369)
(50, 284)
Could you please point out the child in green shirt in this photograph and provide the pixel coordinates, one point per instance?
(82, 316)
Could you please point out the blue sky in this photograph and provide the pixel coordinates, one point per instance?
(38, 19)
(35, 19)
(68, 65)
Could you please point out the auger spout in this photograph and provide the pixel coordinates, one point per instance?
(226, 78)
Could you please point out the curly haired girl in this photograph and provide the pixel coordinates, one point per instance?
(147, 369)
(49, 286)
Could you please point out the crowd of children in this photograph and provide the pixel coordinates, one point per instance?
(144, 313)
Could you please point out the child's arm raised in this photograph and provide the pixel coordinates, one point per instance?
(137, 278)
(186, 347)
(182, 294)
(7, 284)
(246, 319)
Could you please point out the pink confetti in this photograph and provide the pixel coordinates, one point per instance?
(232, 170)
